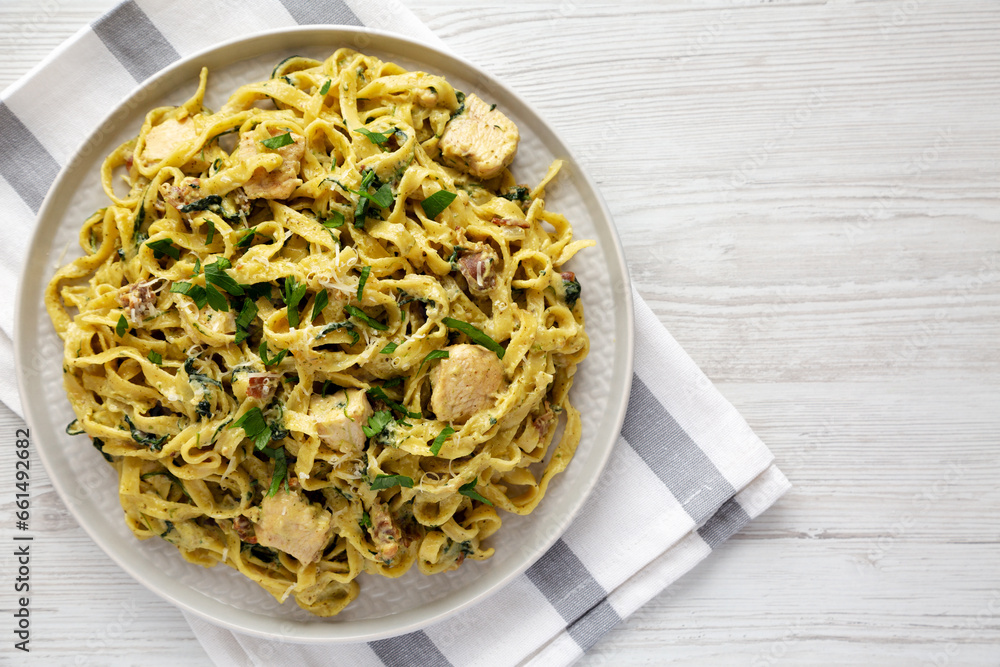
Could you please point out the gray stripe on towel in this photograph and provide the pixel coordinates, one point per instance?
(135, 41)
(593, 625)
(28, 167)
(565, 582)
(672, 455)
(311, 12)
(725, 523)
(415, 648)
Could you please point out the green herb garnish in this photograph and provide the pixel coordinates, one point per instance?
(389, 348)
(164, 248)
(469, 490)
(437, 202)
(439, 440)
(335, 221)
(361, 282)
(122, 326)
(155, 357)
(273, 361)
(293, 294)
(326, 88)
(280, 468)
(255, 427)
(388, 481)
(277, 142)
(215, 273)
(379, 393)
(376, 423)
(431, 356)
(475, 334)
(322, 299)
(377, 138)
(196, 292)
(364, 317)
(216, 299)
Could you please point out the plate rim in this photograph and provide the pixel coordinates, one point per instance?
(329, 631)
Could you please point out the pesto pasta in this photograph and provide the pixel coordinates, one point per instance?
(324, 331)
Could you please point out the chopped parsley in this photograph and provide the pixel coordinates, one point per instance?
(280, 468)
(326, 88)
(361, 282)
(122, 326)
(164, 248)
(211, 232)
(377, 138)
(215, 274)
(389, 348)
(349, 326)
(364, 317)
(431, 356)
(388, 481)
(255, 427)
(469, 490)
(293, 294)
(196, 292)
(277, 142)
(437, 202)
(322, 299)
(376, 423)
(439, 440)
(273, 361)
(246, 240)
(378, 392)
(335, 221)
(216, 299)
(155, 357)
(475, 334)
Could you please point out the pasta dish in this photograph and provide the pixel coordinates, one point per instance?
(324, 332)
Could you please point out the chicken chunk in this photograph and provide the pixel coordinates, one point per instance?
(280, 182)
(291, 523)
(339, 418)
(465, 383)
(480, 140)
(163, 139)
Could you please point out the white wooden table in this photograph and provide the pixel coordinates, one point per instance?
(809, 198)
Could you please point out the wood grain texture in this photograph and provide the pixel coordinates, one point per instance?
(809, 198)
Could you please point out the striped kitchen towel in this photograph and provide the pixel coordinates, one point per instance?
(685, 475)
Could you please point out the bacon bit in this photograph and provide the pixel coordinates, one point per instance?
(244, 529)
(129, 160)
(182, 194)
(568, 275)
(477, 267)
(507, 222)
(460, 559)
(261, 385)
(138, 300)
(384, 533)
(544, 422)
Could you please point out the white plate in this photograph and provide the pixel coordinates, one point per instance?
(385, 607)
